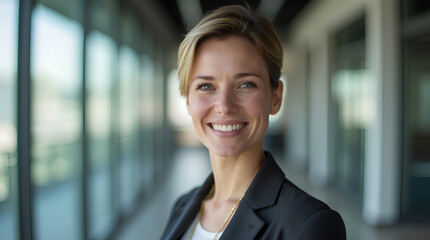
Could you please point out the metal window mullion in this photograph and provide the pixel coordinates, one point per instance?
(24, 121)
(85, 164)
(115, 151)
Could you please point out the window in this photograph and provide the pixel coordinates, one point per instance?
(417, 126)
(351, 105)
(128, 126)
(8, 106)
(91, 112)
(102, 152)
(147, 118)
(56, 73)
(416, 105)
(130, 164)
(101, 59)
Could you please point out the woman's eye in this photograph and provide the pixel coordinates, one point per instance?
(247, 85)
(205, 87)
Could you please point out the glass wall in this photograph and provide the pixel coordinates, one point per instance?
(416, 117)
(417, 109)
(161, 143)
(129, 128)
(56, 77)
(351, 104)
(129, 70)
(101, 55)
(8, 73)
(101, 71)
(93, 119)
(147, 110)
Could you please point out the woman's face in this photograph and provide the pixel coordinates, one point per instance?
(230, 97)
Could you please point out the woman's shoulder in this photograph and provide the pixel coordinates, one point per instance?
(296, 199)
(305, 215)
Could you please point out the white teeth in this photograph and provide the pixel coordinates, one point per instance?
(227, 128)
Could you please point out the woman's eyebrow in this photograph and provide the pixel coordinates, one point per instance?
(237, 75)
(203, 77)
(246, 74)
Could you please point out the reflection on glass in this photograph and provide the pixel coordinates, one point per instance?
(8, 181)
(101, 55)
(130, 170)
(159, 141)
(56, 57)
(352, 105)
(352, 89)
(158, 88)
(417, 120)
(147, 119)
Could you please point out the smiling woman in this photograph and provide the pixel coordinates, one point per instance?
(229, 71)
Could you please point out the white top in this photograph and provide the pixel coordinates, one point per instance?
(200, 233)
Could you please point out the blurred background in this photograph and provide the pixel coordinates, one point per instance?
(95, 141)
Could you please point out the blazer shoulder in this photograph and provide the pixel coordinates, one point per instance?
(325, 224)
(306, 216)
(297, 199)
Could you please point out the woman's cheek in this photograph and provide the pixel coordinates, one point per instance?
(199, 106)
(257, 106)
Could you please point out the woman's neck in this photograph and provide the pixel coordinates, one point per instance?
(233, 175)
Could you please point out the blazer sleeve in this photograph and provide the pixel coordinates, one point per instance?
(325, 224)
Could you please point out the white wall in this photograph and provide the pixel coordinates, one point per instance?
(382, 180)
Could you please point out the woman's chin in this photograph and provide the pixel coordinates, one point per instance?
(233, 150)
(225, 151)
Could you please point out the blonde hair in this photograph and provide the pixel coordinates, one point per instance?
(231, 20)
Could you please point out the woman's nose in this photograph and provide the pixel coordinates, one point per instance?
(226, 102)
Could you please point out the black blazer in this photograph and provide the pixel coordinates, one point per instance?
(272, 208)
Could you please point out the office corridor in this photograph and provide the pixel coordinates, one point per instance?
(190, 168)
(96, 142)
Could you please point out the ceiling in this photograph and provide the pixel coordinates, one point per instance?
(184, 14)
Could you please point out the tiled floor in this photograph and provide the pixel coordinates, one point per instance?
(191, 167)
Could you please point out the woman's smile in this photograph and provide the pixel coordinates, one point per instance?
(226, 129)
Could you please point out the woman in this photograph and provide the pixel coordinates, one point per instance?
(229, 70)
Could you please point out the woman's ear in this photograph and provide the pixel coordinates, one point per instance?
(277, 99)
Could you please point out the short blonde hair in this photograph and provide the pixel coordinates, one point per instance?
(231, 20)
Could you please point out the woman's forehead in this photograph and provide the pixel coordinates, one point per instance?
(235, 54)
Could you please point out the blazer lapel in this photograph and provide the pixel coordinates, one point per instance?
(263, 192)
(189, 210)
(245, 224)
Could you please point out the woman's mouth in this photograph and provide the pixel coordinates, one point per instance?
(227, 127)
